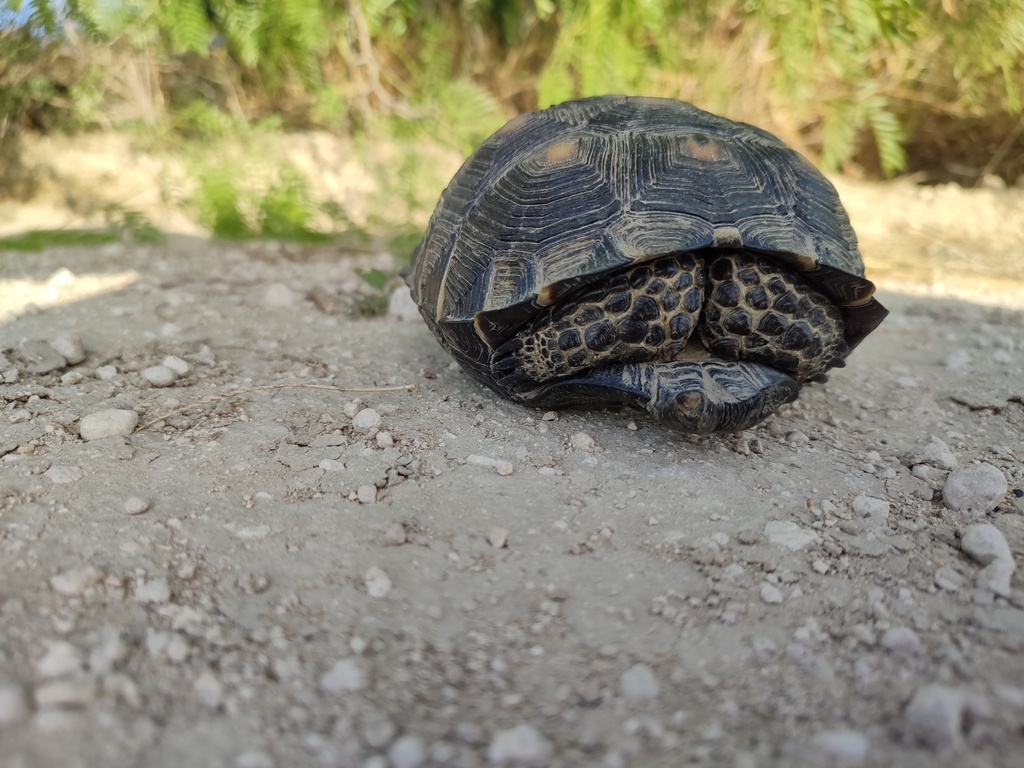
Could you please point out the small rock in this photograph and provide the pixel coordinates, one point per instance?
(344, 677)
(135, 505)
(581, 441)
(948, 579)
(68, 692)
(870, 507)
(638, 684)
(406, 752)
(73, 583)
(770, 594)
(63, 474)
(520, 747)
(401, 305)
(995, 577)
(934, 453)
(957, 360)
(208, 688)
(501, 466)
(61, 658)
(384, 440)
(106, 372)
(902, 640)
(13, 705)
(108, 423)
(984, 543)
(159, 376)
(796, 438)
(938, 715)
(156, 591)
(71, 378)
(789, 534)
(377, 582)
(850, 747)
(366, 419)
(498, 537)
(69, 345)
(40, 357)
(975, 489)
(176, 364)
(395, 535)
(366, 494)
(278, 295)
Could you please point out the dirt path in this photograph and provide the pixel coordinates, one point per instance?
(437, 577)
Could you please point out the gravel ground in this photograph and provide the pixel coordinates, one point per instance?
(244, 566)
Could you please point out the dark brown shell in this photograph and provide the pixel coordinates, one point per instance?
(559, 197)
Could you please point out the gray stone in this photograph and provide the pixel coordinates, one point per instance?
(938, 714)
(401, 305)
(407, 752)
(934, 453)
(638, 684)
(69, 345)
(520, 747)
(160, 376)
(975, 489)
(344, 677)
(40, 357)
(108, 423)
(984, 543)
(789, 534)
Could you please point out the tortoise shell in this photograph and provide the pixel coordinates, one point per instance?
(559, 198)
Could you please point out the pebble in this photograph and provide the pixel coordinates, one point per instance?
(401, 305)
(61, 658)
(384, 440)
(934, 453)
(367, 494)
(581, 441)
(345, 676)
(365, 420)
(975, 489)
(796, 438)
(498, 537)
(135, 505)
(208, 688)
(771, 594)
(69, 345)
(520, 747)
(949, 579)
(68, 692)
(938, 714)
(108, 423)
(407, 752)
(395, 536)
(851, 747)
(995, 577)
(71, 378)
(41, 357)
(176, 364)
(64, 473)
(159, 376)
(788, 534)
(867, 506)
(13, 705)
(957, 360)
(984, 543)
(638, 684)
(902, 640)
(73, 583)
(106, 372)
(278, 295)
(154, 591)
(501, 466)
(378, 583)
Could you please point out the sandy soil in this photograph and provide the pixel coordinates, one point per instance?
(403, 577)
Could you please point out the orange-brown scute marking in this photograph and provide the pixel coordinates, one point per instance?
(512, 124)
(708, 150)
(559, 152)
(546, 296)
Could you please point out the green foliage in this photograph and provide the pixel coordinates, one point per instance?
(374, 278)
(40, 239)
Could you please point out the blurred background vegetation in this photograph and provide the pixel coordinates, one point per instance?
(872, 88)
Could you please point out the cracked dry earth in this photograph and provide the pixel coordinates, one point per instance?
(299, 576)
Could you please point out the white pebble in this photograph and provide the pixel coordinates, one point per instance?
(520, 747)
(498, 537)
(407, 752)
(177, 365)
(77, 581)
(106, 372)
(638, 684)
(788, 534)
(378, 583)
(384, 440)
(344, 677)
(395, 536)
(937, 714)
(69, 345)
(581, 441)
(108, 423)
(934, 453)
(957, 360)
(208, 688)
(850, 747)
(902, 640)
(770, 594)
(278, 295)
(820, 566)
(64, 473)
(401, 305)
(985, 543)
(367, 494)
(134, 505)
(995, 577)
(13, 705)
(155, 591)
(868, 506)
(159, 376)
(366, 419)
(67, 692)
(62, 658)
(796, 438)
(975, 489)
(71, 378)
(501, 466)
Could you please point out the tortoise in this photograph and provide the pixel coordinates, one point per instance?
(638, 250)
